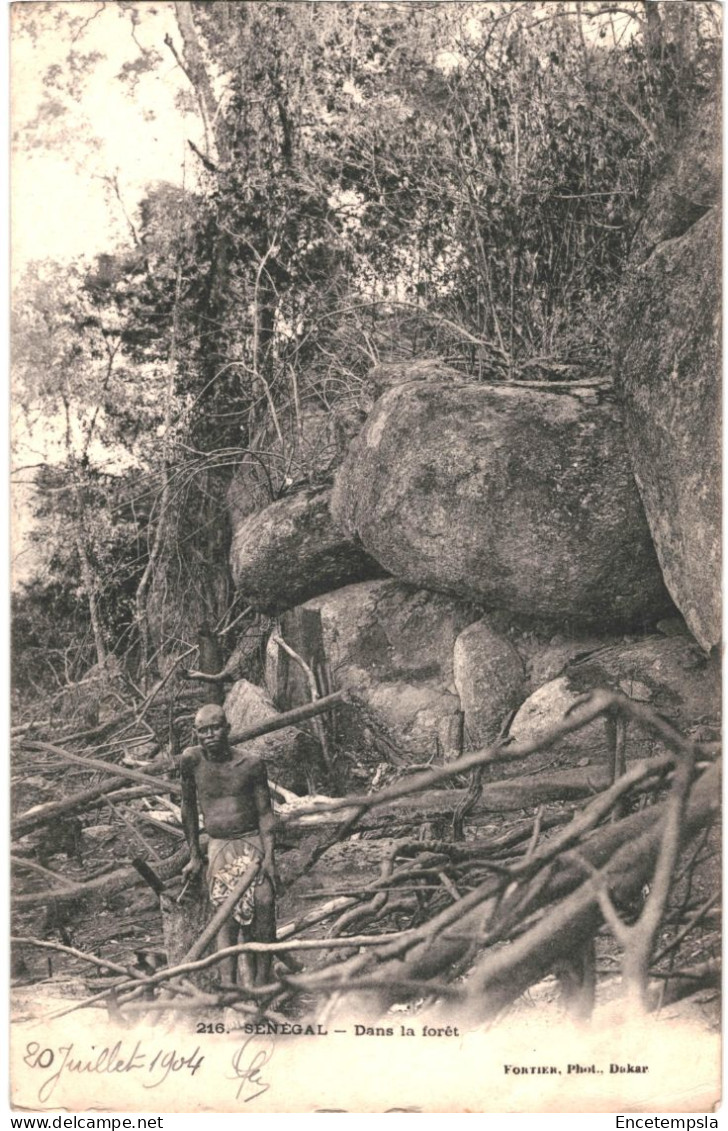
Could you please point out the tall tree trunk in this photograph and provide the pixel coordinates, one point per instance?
(90, 584)
(192, 62)
(210, 662)
(79, 523)
(159, 540)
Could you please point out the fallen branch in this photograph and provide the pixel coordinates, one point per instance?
(628, 847)
(160, 785)
(40, 814)
(163, 826)
(692, 922)
(313, 918)
(638, 939)
(546, 884)
(501, 976)
(146, 845)
(500, 797)
(206, 677)
(23, 728)
(290, 718)
(583, 711)
(643, 934)
(514, 793)
(94, 960)
(409, 987)
(104, 885)
(594, 812)
(680, 984)
(21, 862)
(191, 966)
(433, 948)
(102, 728)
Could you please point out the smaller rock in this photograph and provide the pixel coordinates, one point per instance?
(668, 673)
(292, 551)
(636, 690)
(142, 751)
(286, 752)
(490, 680)
(672, 626)
(545, 662)
(99, 834)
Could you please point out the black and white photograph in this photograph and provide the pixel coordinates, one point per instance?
(366, 505)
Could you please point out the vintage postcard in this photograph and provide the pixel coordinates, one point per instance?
(366, 586)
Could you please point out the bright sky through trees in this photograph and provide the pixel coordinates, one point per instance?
(62, 152)
(75, 136)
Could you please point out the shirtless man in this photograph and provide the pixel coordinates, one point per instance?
(231, 789)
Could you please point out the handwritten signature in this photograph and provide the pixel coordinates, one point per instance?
(247, 1070)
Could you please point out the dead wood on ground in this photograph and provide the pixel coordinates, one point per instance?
(440, 909)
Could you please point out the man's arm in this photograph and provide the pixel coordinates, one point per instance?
(190, 814)
(266, 821)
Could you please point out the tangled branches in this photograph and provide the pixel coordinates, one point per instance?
(440, 911)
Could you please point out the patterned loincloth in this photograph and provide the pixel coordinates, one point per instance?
(228, 860)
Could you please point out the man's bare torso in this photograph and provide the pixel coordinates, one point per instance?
(226, 791)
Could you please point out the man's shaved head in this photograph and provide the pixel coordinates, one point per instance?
(209, 715)
(212, 730)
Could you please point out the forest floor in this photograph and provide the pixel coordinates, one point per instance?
(125, 926)
(128, 923)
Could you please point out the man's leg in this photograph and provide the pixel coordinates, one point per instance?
(264, 928)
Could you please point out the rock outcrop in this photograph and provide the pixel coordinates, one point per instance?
(519, 498)
(689, 185)
(668, 374)
(292, 551)
(670, 674)
(393, 647)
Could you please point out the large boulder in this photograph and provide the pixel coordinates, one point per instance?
(292, 757)
(490, 679)
(292, 551)
(669, 378)
(668, 673)
(515, 497)
(393, 647)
